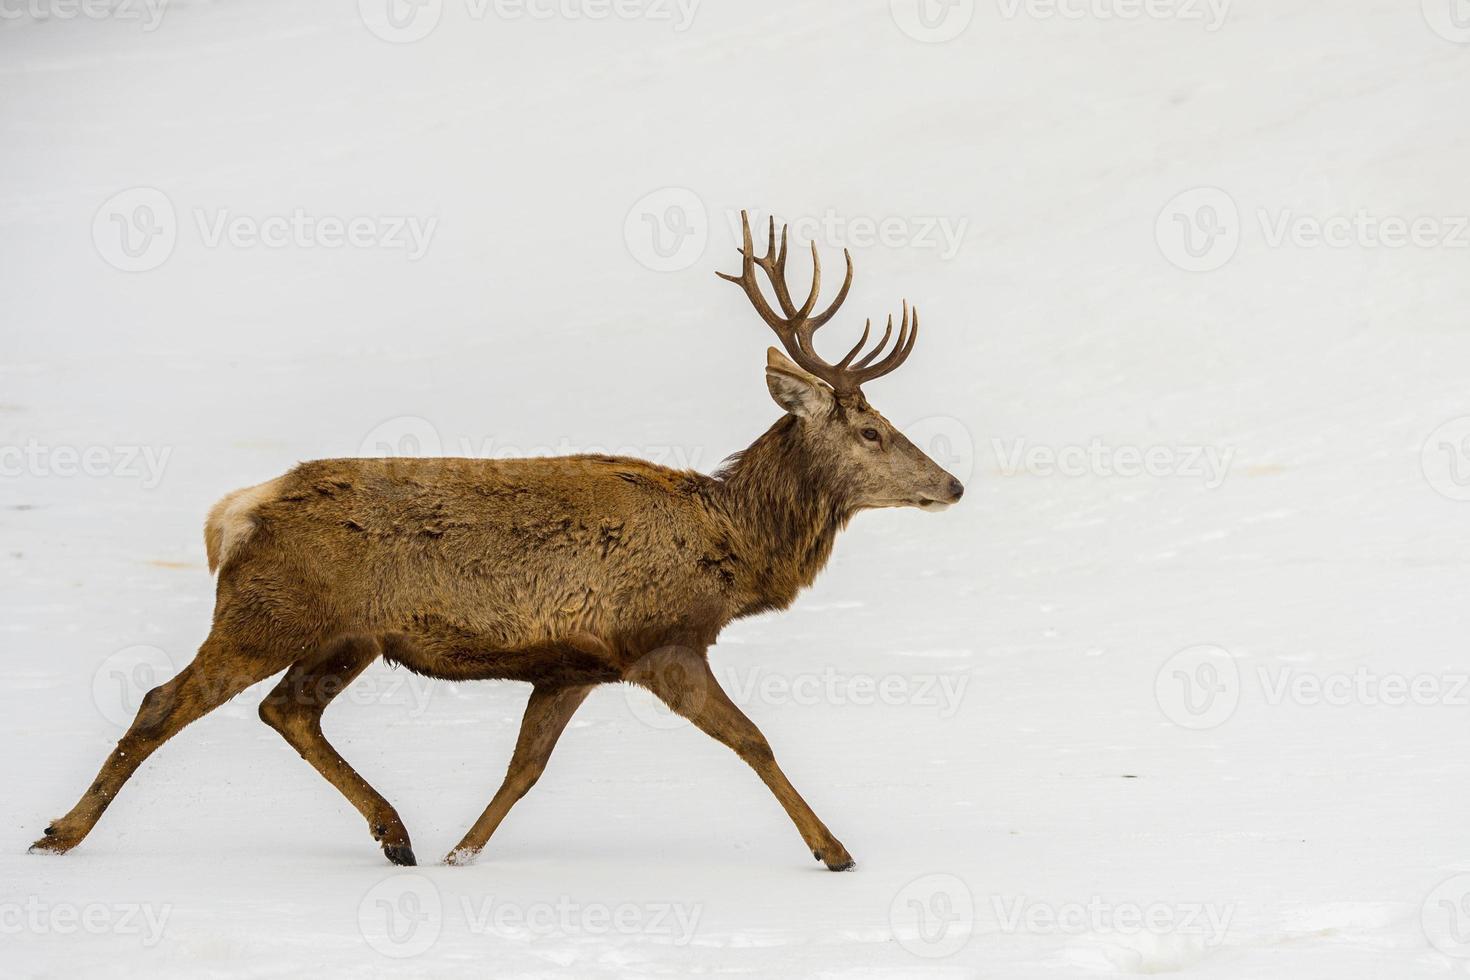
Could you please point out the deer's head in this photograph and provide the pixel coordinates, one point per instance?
(862, 449)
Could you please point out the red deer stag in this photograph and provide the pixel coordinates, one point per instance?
(563, 572)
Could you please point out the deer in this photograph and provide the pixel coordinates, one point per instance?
(563, 572)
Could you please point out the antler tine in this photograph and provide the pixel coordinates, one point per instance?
(774, 265)
(811, 323)
(827, 314)
(747, 260)
(747, 281)
(868, 357)
(811, 296)
(847, 358)
(908, 332)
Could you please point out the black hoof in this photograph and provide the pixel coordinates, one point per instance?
(843, 867)
(400, 854)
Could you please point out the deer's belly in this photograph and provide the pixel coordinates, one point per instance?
(458, 657)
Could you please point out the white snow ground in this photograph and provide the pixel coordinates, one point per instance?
(1018, 794)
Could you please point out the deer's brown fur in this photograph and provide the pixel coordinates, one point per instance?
(563, 572)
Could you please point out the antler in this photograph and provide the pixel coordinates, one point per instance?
(795, 326)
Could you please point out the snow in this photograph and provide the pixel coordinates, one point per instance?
(1204, 719)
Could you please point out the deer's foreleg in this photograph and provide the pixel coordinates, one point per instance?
(682, 679)
(547, 714)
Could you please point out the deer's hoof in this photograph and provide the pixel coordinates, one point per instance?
(50, 844)
(461, 857)
(400, 854)
(835, 857)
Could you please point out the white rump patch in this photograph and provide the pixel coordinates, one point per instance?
(232, 520)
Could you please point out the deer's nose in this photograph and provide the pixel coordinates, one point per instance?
(956, 488)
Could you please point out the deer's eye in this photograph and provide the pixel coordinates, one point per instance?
(870, 434)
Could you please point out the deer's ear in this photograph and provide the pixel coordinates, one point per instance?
(797, 392)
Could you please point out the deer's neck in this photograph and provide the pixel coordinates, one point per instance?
(785, 509)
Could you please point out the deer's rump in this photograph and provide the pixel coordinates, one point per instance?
(475, 568)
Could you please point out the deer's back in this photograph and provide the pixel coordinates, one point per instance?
(471, 567)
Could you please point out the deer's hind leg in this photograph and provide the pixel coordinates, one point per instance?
(294, 708)
(223, 668)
